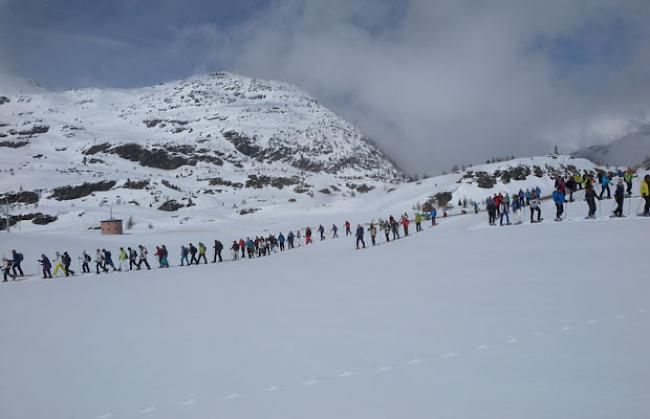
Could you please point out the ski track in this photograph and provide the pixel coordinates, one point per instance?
(383, 369)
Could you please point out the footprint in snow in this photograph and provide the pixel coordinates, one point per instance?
(272, 388)
(190, 402)
(149, 409)
(415, 361)
(232, 396)
(383, 368)
(310, 382)
(104, 416)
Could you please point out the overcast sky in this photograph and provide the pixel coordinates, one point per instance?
(433, 82)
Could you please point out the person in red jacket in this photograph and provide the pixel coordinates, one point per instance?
(347, 228)
(497, 201)
(242, 247)
(308, 236)
(405, 224)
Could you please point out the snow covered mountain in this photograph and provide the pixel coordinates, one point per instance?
(202, 137)
(630, 150)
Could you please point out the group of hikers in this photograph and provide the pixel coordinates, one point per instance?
(502, 206)
(499, 206)
(137, 258)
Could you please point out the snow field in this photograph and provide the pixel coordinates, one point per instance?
(461, 320)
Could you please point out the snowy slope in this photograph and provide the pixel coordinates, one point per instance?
(458, 321)
(222, 205)
(213, 141)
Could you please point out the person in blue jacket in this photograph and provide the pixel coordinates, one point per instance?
(433, 216)
(604, 184)
(281, 240)
(558, 198)
(185, 251)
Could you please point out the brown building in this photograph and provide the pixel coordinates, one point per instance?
(111, 227)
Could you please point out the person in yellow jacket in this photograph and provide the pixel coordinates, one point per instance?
(202, 250)
(628, 176)
(577, 178)
(418, 221)
(58, 264)
(645, 194)
(122, 258)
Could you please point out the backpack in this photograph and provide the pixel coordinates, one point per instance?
(19, 257)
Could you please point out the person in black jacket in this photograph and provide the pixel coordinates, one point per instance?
(218, 247)
(619, 196)
(67, 260)
(16, 260)
(193, 251)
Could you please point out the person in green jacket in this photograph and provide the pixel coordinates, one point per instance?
(122, 258)
(418, 221)
(202, 250)
(628, 176)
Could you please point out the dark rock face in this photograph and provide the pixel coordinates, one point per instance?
(14, 144)
(224, 182)
(258, 182)
(4, 99)
(37, 218)
(24, 197)
(171, 205)
(243, 144)
(156, 158)
(43, 219)
(484, 180)
(65, 193)
(246, 211)
(136, 184)
(98, 148)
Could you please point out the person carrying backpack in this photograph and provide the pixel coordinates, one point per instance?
(360, 236)
(99, 261)
(202, 251)
(281, 241)
(559, 199)
(373, 232)
(308, 236)
(6, 270)
(387, 231)
(108, 260)
(235, 250)
(334, 231)
(143, 257)
(321, 230)
(590, 197)
(67, 261)
(16, 260)
(122, 257)
(433, 216)
(347, 228)
(619, 197)
(418, 222)
(85, 260)
(534, 207)
(133, 258)
(193, 251)
(218, 247)
(46, 265)
(604, 184)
